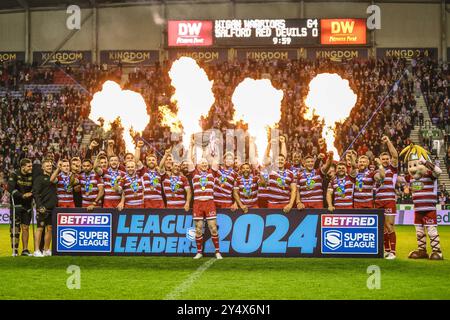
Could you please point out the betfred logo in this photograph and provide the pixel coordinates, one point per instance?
(191, 33)
(84, 232)
(348, 221)
(343, 31)
(69, 219)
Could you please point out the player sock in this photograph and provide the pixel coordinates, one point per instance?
(199, 241)
(215, 240)
(435, 242)
(387, 245)
(393, 241)
(421, 238)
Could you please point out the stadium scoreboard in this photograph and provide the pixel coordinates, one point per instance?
(266, 32)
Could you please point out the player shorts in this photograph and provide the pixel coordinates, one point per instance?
(252, 206)
(154, 204)
(363, 205)
(276, 205)
(390, 207)
(204, 210)
(110, 204)
(23, 216)
(425, 218)
(176, 206)
(262, 202)
(66, 204)
(313, 205)
(343, 207)
(44, 219)
(221, 205)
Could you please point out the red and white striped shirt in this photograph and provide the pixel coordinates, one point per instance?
(310, 186)
(279, 186)
(133, 188)
(175, 190)
(89, 187)
(152, 184)
(223, 186)
(203, 184)
(364, 183)
(110, 178)
(342, 191)
(386, 188)
(263, 190)
(295, 169)
(248, 189)
(64, 190)
(424, 192)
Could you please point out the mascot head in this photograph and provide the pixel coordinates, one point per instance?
(416, 157)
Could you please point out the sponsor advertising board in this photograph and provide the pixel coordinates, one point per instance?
(259, 233)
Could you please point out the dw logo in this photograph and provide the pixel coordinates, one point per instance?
(190, 234)
(333, 239)
(68, 237)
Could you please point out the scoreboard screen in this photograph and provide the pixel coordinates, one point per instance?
(267, 32)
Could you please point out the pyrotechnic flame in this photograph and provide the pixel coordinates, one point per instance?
(193, 95)
(170, 119)
(112, 102)
(331, 98)
(257, 103)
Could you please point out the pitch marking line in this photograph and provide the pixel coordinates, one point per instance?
(184, 286)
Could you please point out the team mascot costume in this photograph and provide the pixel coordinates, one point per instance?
(421, 181)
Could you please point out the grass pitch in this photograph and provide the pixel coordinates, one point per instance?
(231, 278)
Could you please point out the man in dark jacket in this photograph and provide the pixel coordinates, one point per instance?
(45, 196)
(20, 187)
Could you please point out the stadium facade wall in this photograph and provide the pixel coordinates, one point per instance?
(12, 31)
(48, 29)
(139, 27)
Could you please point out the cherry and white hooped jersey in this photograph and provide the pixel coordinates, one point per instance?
(263, 189)
(223, 185)
(152, 184)
(110, 179)
(279, 186)
(295, 169)
(133, 188)
(89, 187)
(386, 188)
(364, 184)
(248, 189)
(175, 190)
(64, 189)
(310, 185)
(424, 192)
(203, 184)
(342, 191)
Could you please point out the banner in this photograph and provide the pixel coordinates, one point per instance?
(63, 57)
(190, 33)
(337, 54)
(343, 31)
(9, 56)
(266, 32)
(208, 55)
(5, 213)
(407, 53)
(129, 57)
(262, 54)
(259, 233)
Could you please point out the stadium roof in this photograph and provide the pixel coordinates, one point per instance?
(62, 4)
